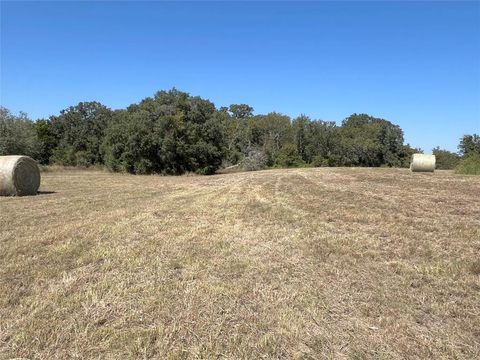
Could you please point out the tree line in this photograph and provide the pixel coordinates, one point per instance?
(174, 132)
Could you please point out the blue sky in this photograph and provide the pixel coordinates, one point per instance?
(416, 64)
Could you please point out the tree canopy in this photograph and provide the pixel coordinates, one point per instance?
(469, 145)
(174, 132)
(171, 133)
(17, 135)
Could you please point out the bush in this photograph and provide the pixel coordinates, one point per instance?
(319, 161)
(289, 157)
(469, 165)
(64, 156)
(257, 159)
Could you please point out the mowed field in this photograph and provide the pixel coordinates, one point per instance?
(297, 264)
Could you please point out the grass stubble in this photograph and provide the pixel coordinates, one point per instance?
(300, 264)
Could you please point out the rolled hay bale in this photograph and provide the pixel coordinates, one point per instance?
(19, 176)
(422, 163)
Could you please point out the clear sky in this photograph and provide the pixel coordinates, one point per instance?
(416, 64)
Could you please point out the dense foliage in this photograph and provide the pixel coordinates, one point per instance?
(470, 149)
(469, 144)
(174, 132)
(79, 132)
(445, 160)
(171, 133)
(469, 165)
(17, 135)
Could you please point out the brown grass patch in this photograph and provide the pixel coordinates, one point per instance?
(301, 263)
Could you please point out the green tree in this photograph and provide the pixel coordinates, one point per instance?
(469, 144)
(288, 156)
(321, 141)
(445, 159)
(46, 137)
(80, 131)
(240, 111)
(130, 144)
(369, 141)
(300, 128)
(171, 133)
(17, 135)
(237, 141)
(270, 132)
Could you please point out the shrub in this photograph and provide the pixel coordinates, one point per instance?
(64, 156)
(289, 157)
(142, 166)
(257, 159)
(469, 165)
(319, 161)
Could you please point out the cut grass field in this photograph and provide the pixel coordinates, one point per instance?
(301, 264)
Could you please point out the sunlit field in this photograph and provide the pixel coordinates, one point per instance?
(303, 264)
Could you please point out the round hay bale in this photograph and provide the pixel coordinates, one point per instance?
(422, 163)
(19, 176)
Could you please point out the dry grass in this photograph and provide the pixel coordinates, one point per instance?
(302, 264)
